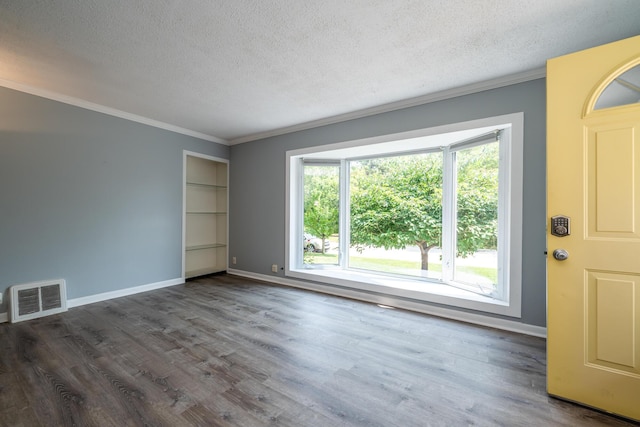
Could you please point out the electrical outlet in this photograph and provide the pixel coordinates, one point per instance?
(234, 260)
(1, 295)
(274, 268)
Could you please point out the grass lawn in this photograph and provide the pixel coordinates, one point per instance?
(394, 265)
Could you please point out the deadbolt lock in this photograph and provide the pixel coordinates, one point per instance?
(560, 225)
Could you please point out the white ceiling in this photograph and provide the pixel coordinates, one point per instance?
(233, 71)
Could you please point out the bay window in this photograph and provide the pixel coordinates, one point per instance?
(431, 215)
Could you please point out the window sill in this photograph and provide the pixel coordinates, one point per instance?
(407, 288)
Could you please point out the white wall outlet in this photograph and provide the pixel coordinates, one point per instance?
(234, 260)
(1, 295)
(274, 268)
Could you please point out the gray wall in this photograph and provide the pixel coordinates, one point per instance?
(87, 197)
(257, 179)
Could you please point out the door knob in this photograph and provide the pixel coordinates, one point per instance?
(560, 254)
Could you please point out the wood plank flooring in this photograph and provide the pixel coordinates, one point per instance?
(228, 351)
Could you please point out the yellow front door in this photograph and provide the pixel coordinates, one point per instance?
(593, 178)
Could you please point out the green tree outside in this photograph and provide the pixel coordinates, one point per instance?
(321, 201)
(397, 201)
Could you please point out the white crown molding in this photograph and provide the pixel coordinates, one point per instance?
(462, 316)
(76, 102)
(512, 79)
(385, 108)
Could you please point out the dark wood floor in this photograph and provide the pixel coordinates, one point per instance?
(227, 351)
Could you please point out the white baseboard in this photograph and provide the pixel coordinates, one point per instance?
(463, 316)
(76, 302)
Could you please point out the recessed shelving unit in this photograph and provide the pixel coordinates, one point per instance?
(205, 215)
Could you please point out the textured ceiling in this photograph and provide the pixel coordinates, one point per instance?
(237, 70)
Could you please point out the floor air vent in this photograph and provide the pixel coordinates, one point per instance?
(31, 300)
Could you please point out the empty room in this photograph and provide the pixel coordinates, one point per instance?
(363, 213)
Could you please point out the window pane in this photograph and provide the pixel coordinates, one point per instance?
(321, 208)
(476, 262)
(396, 214)
(624, 90)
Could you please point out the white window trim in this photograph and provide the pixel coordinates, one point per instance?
(407, 287)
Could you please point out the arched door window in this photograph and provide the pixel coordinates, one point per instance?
(623, 90)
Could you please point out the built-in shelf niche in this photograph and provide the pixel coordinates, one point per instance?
(205, 215)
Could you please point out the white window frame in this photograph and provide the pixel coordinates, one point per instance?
(416, 289)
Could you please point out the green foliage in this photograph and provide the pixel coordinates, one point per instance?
(321, 201)
(477, 198)
(397, 201)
